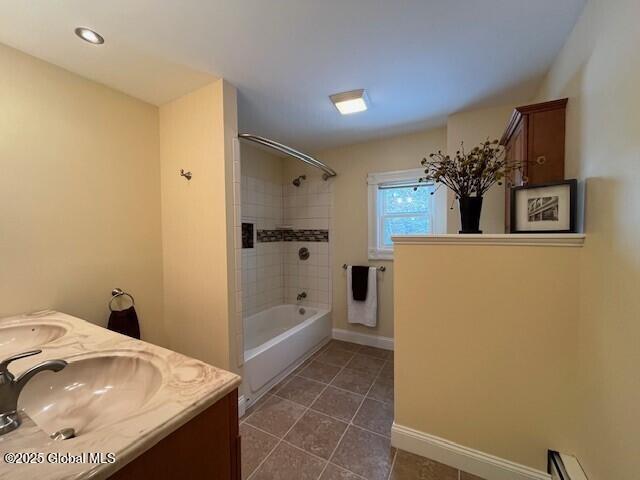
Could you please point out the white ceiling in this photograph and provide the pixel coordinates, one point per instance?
(419, 60)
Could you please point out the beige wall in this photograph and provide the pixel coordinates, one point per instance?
(599, 70)
(349, 236)
(485, 351)
(259, 163)
(79, 195)
(349, 230)
(195, 216)
(472, 128)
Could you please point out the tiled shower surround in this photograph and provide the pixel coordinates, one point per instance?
(311, 276)
(308, 207)
(262, 266)
(272, 273)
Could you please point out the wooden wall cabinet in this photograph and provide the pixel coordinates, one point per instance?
(534, 136)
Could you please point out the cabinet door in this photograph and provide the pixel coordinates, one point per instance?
(546, 137)
(206, 447)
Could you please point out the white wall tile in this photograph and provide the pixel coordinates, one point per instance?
(272, 273)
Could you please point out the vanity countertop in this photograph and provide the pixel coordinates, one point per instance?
(182, 389)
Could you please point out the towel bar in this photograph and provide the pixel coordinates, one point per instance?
(380, 269)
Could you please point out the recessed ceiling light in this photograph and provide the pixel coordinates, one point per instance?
(89, 35)
(350, 102)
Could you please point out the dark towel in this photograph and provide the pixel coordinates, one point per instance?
(125, 322)
(359, 282)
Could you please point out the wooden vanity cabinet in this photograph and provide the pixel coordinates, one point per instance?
(206, 447)
(535, 136)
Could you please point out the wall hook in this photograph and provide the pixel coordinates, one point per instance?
(186, 175)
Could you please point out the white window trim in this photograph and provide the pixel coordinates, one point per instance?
(374, 180)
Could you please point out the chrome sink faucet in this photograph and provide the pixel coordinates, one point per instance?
(10, 387)
(302, 295)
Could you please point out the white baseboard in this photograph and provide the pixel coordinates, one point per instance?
(363, 339)
(463, 458)
(242, 406)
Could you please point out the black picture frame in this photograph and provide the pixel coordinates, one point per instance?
(573, 188)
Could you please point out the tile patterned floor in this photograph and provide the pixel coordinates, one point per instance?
(331, 420)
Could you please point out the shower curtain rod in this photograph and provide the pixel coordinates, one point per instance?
(328, 171)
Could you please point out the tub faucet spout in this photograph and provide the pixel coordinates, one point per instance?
(302, 295)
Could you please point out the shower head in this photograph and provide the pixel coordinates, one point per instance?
(297, 181)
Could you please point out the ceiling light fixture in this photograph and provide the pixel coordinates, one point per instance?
(89, 35)
(350, 102)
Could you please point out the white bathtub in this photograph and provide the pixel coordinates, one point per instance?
(277, 340)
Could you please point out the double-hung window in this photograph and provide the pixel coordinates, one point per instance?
(398, 205)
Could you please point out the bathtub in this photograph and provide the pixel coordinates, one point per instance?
(277, 340)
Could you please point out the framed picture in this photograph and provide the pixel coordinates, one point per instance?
(548, 208)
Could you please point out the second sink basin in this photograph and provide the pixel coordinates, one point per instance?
(90, 392)
(20, 338)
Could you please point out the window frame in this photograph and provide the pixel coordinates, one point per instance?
(377, 251)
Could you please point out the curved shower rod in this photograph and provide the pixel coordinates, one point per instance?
(328, 171)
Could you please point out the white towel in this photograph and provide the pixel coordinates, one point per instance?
(365, 312)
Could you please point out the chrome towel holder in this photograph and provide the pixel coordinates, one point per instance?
(118, 292)
(381, 268)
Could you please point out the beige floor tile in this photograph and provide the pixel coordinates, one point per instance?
(412, 467)
(301, 390)
(255, 445)
(334, 472)
(320, 372)
(338, 403)
(375, 416)
(320, 351)
(276, 416)
(350, 347)
(335, 356)
(289, 463)
(387, 371)
(316, 433)
(363, 362)
(356, 381)
(256, 406)
(280, 384)
(364, 453)
(375, 352)
(302, 366)
(382, 390)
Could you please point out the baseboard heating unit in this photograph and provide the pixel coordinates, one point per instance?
(564, 467)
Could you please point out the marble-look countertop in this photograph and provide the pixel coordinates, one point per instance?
(184, 388)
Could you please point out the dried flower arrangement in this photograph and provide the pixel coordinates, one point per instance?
(469, 175)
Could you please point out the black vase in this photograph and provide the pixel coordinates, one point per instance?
(470, 209)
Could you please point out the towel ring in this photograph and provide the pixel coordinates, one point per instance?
(118, 292)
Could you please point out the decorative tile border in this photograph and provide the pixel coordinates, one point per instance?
(306, 235)
(293, 236)
(265, 236)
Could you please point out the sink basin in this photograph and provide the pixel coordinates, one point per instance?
(20, 338)
(90, 392)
